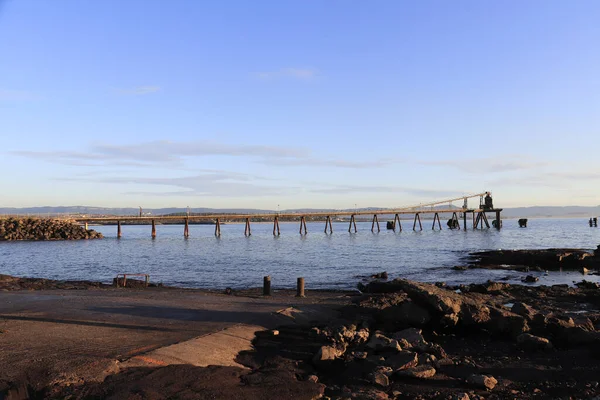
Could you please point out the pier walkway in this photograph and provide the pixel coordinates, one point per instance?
(434, 209)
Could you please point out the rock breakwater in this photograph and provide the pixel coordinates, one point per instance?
(43, 229)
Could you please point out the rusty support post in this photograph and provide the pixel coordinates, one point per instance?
(119, 230)
(498, 221)
(276, 231)
(300, 288)
(436, 217)
(375, 221)
(476, 221)
(267, 286)
(153, 230)
(328, 224)
(247, 231)
(303, 224)
(186, 229)
(397, 218)
(417, 218)
(217, 228)
(474, 227)
(352, 222)
(484, 219)
(465, 220)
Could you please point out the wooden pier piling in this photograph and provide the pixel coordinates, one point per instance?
(300, 288)
(153, 229)
(328, 224)
(397, 218)
(375, 221)
(217, 228)
(186, 229)
(119, 230)
(303, 225)
(436, 216)
(352, 222)
(247, 231)
(417, 218)
(276, 231)
(267, 286)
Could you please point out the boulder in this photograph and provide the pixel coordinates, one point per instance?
(413, 336)
(380, 342)
(482, 381)
(368, 394)
(325, 354)
(528, 341)
(407, 313)
(523, 310)
(379, 378)
(530, 279)
(420, 371)
(503, 322)
(402, 360)
(433, 298)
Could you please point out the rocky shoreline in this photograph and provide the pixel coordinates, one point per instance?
(405, 340)
(44, 229)
(536, 260)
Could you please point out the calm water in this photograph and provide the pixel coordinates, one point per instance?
(336, 261)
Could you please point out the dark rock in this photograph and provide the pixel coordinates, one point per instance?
(587, 285)
(402, 360)
(429, 296)
(363, 393)
(325, 354)
(379, 378)
(460, 268)
(380, 342)
(380, 275)
(523, 310)
(420, 371)
(483, 381)
(528, 341)
(530, 279)
(505, 322)
(407, 313)
(413, 336)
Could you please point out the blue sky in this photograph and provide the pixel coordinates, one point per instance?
(298, 103)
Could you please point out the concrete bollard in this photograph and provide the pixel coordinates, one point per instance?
(267, 286)
(300, 288)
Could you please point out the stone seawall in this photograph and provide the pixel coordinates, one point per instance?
(43, 229)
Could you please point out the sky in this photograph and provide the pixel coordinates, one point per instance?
(298, 103)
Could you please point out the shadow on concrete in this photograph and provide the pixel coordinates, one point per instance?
(191, 315)
(87, 323)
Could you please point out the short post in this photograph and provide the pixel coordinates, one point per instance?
(267, 286)
(300, 288)
(118, 229)
(153, 230)
(217, 228)
(86, 226)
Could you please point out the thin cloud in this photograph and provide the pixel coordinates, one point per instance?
(293, 73)
(507, 163)
(139, 90)
(350, 189)
(210, 183)
(174, 154)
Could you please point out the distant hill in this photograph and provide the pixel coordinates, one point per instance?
(551, 211)
(515, 212)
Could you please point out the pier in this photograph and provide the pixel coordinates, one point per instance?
(475, 215)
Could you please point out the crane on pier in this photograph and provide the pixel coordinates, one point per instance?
(485, 202)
